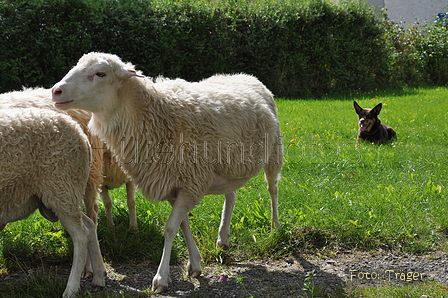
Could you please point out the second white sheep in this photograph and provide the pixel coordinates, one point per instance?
(44, 164)
(105, 172)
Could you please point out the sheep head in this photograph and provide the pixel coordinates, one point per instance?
(92, 83)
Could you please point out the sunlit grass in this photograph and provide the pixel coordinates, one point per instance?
(425, 289)
(369, 196)
(333, 194)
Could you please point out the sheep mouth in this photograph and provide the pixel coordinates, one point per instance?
(61, 104)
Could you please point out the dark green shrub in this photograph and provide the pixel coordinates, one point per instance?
(418, 53)
(297, 48)
(40, 40)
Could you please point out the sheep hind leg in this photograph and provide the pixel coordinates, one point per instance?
(130, 191)
(226, 217)
(94, 252)
(79, 235)
(181, 206)
(272, 176)
(194, 262)
(91, 202)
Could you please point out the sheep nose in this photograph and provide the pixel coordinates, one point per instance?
(57, 92)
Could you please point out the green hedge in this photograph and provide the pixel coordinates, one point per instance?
(297, 48)
(418, 53)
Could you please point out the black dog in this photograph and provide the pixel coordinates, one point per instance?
(370, 127)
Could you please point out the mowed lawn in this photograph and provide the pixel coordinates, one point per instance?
(333, 194)
(390, 196)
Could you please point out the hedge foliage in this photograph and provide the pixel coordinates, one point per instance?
(419, 53)
(298, 48)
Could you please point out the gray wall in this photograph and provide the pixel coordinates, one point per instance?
(411, 11)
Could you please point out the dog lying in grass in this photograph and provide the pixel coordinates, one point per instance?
(370, 127)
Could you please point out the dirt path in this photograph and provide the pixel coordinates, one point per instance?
(276, 278)
(286, 277)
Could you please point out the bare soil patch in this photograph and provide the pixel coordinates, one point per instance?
(275, 278)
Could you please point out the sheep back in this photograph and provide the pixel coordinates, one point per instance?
(45, 158)
(172, 134)
(41, 98)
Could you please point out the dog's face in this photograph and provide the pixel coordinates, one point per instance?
(367, 117)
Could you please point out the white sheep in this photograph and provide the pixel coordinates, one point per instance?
(41, 98)
(104, 174)
(45, 163)
(179, 141)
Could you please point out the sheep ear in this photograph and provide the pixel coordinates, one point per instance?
(127, 73)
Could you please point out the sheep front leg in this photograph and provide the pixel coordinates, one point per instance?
(107, 205)
(224, 227)
(181, 206)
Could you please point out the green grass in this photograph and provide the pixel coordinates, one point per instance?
(39, 284)
(369, 197)
(430, 289)
(333, 194)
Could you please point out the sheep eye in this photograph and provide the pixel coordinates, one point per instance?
(101, 74)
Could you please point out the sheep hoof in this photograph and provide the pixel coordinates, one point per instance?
(195, 274)
(275, 225)
(96, 289)
(98, 280)
(69, 293)
(87, 274)
(134, 230)
(222, 245)
(159, 289)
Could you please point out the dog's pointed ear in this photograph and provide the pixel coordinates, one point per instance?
(377, 108)
(358, 108)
